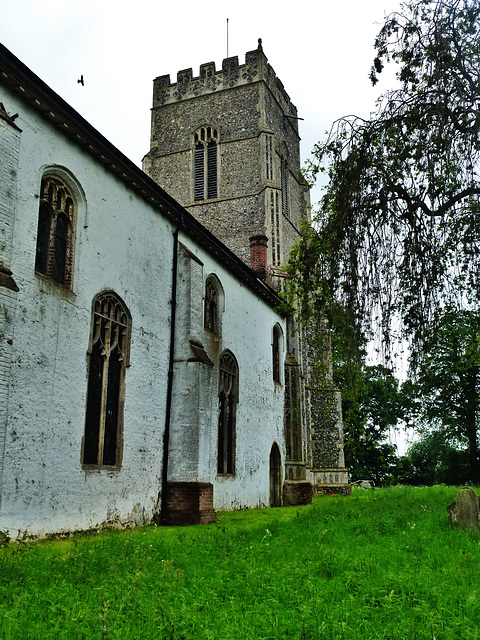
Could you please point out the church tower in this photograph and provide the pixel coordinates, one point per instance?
(225, 144)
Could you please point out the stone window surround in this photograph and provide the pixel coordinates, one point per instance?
(227, 405)
(277, 354)
(213, 286)
(109, 354)
(205, 165)
(57, 218)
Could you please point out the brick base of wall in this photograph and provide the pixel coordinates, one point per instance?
(189, 503)
(295, 493)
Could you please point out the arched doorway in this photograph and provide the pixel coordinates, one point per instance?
(275, 476)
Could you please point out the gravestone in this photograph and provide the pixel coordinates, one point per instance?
(364, 484)
(464, 512)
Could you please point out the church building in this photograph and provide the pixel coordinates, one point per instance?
(147, 371)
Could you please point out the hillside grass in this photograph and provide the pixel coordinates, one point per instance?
(383, 564)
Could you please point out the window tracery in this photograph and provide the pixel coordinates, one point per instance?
(55, 231)
(109, 353)
(205, 164)
(227, 405)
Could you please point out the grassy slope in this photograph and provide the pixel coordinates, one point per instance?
(383, 564)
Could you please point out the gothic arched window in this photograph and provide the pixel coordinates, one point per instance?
(109, 352)
(205, 164)
(227, 406)
(55, 231)
(276, 351)
(211, 312)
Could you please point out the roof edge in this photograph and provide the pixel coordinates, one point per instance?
(55, 109)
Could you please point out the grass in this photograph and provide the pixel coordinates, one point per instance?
(379, 565)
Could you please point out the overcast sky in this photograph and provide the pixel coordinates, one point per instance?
(321, 51)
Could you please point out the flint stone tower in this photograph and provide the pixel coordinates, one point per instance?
(226, 145)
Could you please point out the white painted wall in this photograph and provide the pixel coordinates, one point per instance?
(247, 332)
(121, 244)
(124, 245)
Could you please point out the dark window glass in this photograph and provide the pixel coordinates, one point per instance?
(54, 253)
(227, 403)
(94, 395)
(43, 238)
(211, 320)
(60, 253)
(109, 352)
(276, 355)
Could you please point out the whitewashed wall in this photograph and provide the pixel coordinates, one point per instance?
(124, 245)
(247, 331)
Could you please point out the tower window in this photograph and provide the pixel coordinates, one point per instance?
(284, 172)
(269, 156)
(227, 405)
(56, 219)
(108, 358)
(205, 164)
(275, 228)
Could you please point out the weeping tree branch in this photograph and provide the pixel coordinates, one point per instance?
(398, 230)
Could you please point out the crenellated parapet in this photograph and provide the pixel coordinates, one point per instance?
(232, 74)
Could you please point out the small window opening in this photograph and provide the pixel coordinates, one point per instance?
(276, 355)
(211, 317)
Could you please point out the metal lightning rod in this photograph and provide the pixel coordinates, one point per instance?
(227, 37)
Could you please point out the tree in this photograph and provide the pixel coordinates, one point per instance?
(434, 460)
(398, 232)
(446, 391)
(371, 405)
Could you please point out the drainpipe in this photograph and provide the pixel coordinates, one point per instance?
(168, 409)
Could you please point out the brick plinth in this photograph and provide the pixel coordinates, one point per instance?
(189, 503)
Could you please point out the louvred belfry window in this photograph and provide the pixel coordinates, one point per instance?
(227, 406)
(205, 164)
(108, 359)
(55, 230)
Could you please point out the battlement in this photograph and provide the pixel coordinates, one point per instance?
(232, 74)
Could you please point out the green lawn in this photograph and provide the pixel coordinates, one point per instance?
(382, 564)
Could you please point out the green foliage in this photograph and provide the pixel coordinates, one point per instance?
(371, 566)
(371, 408)
(398, 232)
(445, 394)
(397, 236)
(434, 460)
